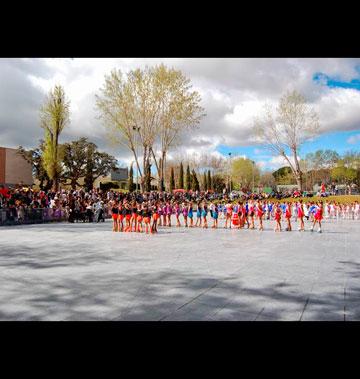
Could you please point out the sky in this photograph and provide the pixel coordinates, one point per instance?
(233, 91)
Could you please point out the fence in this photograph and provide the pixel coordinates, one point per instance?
(11, 216)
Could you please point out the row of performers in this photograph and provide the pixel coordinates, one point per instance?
(147, 216)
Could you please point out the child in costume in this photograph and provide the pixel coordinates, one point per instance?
(318, 217)
(277, 217)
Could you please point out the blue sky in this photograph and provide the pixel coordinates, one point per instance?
(233, 91)
(339, 141)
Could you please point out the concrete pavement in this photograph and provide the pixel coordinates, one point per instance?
(86, 272)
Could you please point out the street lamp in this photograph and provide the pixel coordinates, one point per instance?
(229, 172)
(253, 179)
(136, 129)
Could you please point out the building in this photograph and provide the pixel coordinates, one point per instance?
(14, 169)
(119, 176)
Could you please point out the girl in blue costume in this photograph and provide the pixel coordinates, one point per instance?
(198, 215)
(204, 215)
(190, 214)
(215, 215)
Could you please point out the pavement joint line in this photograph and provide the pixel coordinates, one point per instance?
(207, 290)
(305, 305)
(188, 302)
(257, 316)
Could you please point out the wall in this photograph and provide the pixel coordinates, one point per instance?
(2, 164)
(16, 168)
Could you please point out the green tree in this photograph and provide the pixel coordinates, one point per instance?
(244, 173)
(148, 178)
(284, 176)
(172, 180)
(195, 185)
(205, 185)
(54, 116)
(97, 164)
(74, 160)
(209, 180)
(34, 157)
(188, 178)
(181, 176)
(343, 174)
(218, 182)
(131, 179)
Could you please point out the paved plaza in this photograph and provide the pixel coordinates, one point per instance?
(86, 272)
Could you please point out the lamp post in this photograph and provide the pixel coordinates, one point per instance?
(229, 172)
(136, 129)
(253, 179)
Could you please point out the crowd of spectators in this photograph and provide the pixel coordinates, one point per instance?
(79, 205)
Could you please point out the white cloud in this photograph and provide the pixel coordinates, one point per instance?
(233, 92)
(353, 140)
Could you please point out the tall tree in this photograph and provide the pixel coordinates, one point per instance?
(284, 131)
(155, 104)
(54, 116)
(209, 180)
(131, 179)
(218, 182)
(148, 178)
(180, 110)
(195, 185)
(172, 180)
(181, 176)
(205, 185)
(188, 179)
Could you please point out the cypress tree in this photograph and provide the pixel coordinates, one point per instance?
(209, 180)
(188, 178)
(195, 186)
(172, 180)
(131, 179)
(148, 178)
(181, 176)
(205, 182)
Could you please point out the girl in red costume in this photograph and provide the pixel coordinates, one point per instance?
(229, 210)
(120, 225)
(318, 217)
(251, 214)
(278, 217)
(260, 214)
(288, 216)
(114, 214)
(139, 219)
(300, 214)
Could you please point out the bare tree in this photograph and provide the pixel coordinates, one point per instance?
(179, 111)
(127, 106)
(284, 130)
(153, 105)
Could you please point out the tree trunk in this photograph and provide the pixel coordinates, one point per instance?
(299, 181)
(163, 157)
(298, 173)
(160, 178)
(73, 184)
(161, 171)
